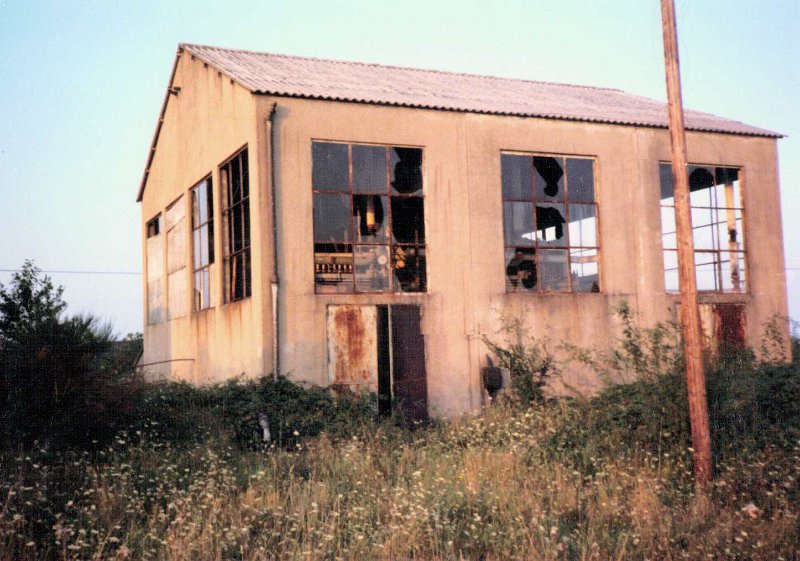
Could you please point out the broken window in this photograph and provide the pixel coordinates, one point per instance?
(716, 208)
(550, 224)
(369, 219)
(202, 242)
(154, 226)
(154, 254)
(235, 188)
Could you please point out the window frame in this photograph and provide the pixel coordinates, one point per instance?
(208, 225)
(718, 251)
(536, 246)
(230, 254)
(418, 250)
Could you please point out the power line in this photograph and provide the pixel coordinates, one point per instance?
(77, 272)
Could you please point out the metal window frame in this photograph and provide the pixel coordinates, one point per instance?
(208, 224)
(231, 256)
(565, 201)
(721, 254)
(390, 244)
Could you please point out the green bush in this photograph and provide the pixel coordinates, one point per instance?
(55, 371)
(528, 361)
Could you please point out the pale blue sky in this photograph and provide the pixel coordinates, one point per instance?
(81, 85)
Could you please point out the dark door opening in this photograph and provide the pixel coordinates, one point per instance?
(380, 349)
(407, 361)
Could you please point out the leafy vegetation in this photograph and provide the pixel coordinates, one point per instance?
(186, 476)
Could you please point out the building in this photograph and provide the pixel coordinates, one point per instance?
(365, 225)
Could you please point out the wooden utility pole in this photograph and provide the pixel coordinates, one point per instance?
(690, 317)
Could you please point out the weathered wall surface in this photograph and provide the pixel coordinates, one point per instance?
(206, 123)
(466, 299)
(466, 295)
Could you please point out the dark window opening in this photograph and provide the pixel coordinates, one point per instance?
(154, 226)
(369, 226)
(202, 242)
(550, 224)
(717, 217)
(236, 214)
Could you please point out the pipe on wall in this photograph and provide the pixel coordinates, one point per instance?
(274, 279)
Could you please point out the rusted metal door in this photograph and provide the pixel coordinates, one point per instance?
(729, 322)
(353, 347)
(408, 361)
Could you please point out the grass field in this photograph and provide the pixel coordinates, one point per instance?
(533, 483)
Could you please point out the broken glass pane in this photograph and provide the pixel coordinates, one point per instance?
(705, 264)
(553, 270)
(733, 269)
(580, 180)
(585, 270)
(582, 225)
(329, 166)
(244, 171)
(370, 218)
(667, 184)
(549, 178)
(520, 269)
(518, 223)
(333, 267)
(196, 246)
(408, 219)
(235, 182)
(372, 268)
(406, 171)
(408, 263)
(705, 237)
(669, 241)
(202, 250)
(550, 225)
(235, 239)
(369, 169)
(700, 178)
(331, 217)
(671, 271)
(516, 176)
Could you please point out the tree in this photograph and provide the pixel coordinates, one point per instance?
(29, 302)
(49, 364)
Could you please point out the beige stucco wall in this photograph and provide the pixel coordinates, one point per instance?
(466, 298)
(204, 125)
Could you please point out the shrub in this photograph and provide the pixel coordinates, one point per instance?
(528, 360)
(53, 368)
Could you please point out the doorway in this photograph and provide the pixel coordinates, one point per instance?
(380, 349)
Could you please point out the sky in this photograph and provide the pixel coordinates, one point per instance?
(81, 87)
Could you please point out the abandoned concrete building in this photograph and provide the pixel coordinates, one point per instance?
(367, 225)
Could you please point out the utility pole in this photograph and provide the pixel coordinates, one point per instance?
(690, 317)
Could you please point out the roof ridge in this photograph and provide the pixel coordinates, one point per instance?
(396, 67)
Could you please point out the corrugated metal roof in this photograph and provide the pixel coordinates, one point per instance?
(315, 78)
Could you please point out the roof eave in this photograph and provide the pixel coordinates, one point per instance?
(758, 132)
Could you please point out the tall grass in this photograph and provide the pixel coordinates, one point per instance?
(510, 484)
(574, 479)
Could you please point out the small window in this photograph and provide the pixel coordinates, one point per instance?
(202, 242)
(235, 186)
(369, 218)
(154, 226)
(717, 216)
(549, 224)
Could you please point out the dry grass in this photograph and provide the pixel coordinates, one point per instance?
(491, 487)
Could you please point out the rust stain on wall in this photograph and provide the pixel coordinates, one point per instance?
(352, 347)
